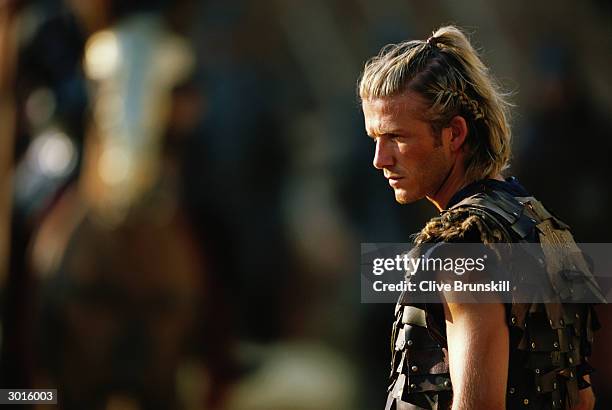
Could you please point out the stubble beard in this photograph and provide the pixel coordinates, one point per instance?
(430, 180)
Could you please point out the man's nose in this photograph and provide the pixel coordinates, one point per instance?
(382, 156)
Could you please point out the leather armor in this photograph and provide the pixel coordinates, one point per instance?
(549, 343)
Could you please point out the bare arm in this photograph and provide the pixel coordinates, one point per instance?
(587, 398)
(478, 355)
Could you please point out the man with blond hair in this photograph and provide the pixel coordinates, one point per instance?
(440, 125)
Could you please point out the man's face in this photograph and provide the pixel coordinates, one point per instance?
(414, 160)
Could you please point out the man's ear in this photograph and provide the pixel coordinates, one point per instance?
(459, 130)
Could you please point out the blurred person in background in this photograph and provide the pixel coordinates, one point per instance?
(130, 305)
(126, 312)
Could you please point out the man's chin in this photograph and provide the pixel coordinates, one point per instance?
(403, 197)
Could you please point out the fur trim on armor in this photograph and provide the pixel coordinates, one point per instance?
(456, 224)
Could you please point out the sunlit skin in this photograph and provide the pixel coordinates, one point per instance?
(417, 163)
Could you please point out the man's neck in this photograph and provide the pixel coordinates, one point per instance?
(453, 183)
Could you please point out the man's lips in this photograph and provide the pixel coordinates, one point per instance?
(393, 179)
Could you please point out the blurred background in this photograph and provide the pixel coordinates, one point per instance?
(185, 185)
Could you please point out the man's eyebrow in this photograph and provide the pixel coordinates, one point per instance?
(377, 133)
